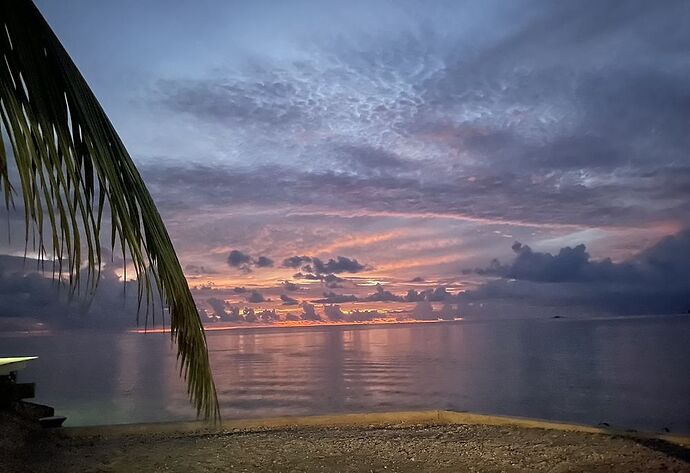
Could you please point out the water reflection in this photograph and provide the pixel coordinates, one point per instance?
(630, 373)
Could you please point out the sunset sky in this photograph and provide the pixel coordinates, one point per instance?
(411, 143)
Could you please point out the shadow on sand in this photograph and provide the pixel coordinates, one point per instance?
(670, 449)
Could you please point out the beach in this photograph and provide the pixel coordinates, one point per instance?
(394, 442)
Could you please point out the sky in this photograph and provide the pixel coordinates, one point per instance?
(505, 154)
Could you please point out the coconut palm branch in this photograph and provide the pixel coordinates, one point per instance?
(73, 172)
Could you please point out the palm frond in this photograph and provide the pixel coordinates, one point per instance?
(72, 168)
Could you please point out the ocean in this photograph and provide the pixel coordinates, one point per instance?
(629, 372)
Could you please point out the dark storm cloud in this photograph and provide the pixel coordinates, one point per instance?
(28, 296)
(263, 262)
(243, 261)
(296, 261)
(315, 269)
(668, 260)
(655, 280)
(569, 265)
(237, 259)
(339, 265)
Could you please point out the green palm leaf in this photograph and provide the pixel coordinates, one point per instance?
(72, 168)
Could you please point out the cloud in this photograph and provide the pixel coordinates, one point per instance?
(287, 300)
(235, 103)
(332, 278)
(423, 310)
(263, 262)
(238, 259)
(268, 315)
(481, 195)
(339, 265)
(366, 159)
(414, 296)
(243, 261)
(439, 294)
(255, 297)
(381, 295)
(307, 276)
(358, 315)
(656, 280)
(309, 264)
(579, 112)
(233, 314)
(218, 306)
(290, 286)
(333, 312)
(249, 315)
(28, 296)
(196, 270)
(296, 261)
(495, 268)
(309, 312)
(333, 298)
(559, 114)
(569, 265)
(205, 287)
(449, 311)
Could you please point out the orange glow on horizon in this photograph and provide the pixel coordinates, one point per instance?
(302, 324)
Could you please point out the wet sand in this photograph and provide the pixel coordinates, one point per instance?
(352, 445)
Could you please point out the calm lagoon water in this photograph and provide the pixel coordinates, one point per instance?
(629, 372)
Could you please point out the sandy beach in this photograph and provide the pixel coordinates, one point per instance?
(367, 443)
